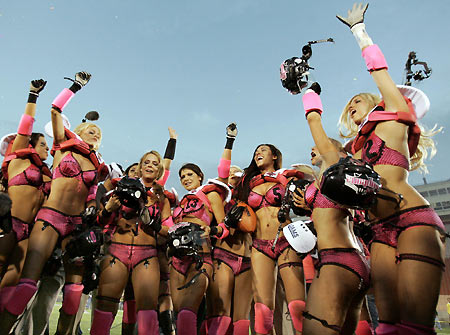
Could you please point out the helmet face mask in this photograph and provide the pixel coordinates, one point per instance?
(351, 183)
(185, 240)
(294, 74)
(131, 192)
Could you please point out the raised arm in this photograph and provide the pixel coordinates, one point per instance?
(374, 58)
(169, 155)
(313, 112)
(225, 161)
(81, 79)
(26, 122)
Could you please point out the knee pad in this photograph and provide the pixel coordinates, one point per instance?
(102, 322)
(241, 327)
(147, 321)
(364, 328)
(166, 320)
(296, 309)
(219, 325)
(22, 295)
(186, 322)
(409, 328)
(263, 318)
(5, 294)
(386, 329)
(129, 311)
(71, 298)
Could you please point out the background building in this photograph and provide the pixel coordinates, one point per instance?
(438, 194)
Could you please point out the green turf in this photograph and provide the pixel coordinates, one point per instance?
(116, 328)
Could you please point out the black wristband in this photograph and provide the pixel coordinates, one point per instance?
(32, 97)
(170, 149)
(75, 87)
(229, 144)
(57, 109)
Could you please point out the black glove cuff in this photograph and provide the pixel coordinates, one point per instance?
(32, 97)
(75, 87)
(229, 144)
(170, 149)
(105, 213)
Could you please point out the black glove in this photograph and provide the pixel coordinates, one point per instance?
(91, 277)
(233, 216)
(231, 135)
(316, 88)
(81, 79)
(354, 15)
(151, 221)
(37, 86)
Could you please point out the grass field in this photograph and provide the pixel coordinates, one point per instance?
(116, 328)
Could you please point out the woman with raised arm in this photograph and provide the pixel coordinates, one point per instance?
(132, 253)
(28, 184)
(263, 187)
(229, 295)
(199, 209)
(76, 169)
(165, 305)
(337, 292)
(407, 252)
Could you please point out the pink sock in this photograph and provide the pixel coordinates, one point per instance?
(186, 322)
(219, 325)
(5, 294)
(241, 327)
(102, 322)
(147, 321)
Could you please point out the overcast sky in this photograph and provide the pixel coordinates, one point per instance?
(199, 65)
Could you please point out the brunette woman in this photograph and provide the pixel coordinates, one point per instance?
(200, 208)
(263, 187)
(28, 184)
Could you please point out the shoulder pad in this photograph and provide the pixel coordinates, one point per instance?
(214, 185)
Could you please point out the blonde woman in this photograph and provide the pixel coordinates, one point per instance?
(407, 253)
(132, 253)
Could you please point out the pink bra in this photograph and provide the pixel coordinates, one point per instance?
(315, 199)
(376, 152)
(272, 198)
(191, 205)
(70, 168)
(31, 176)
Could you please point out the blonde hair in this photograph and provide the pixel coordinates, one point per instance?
(349, 129)
(86, 125)
(338, 145)
(160, 164)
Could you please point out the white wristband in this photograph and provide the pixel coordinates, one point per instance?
(361, 36)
